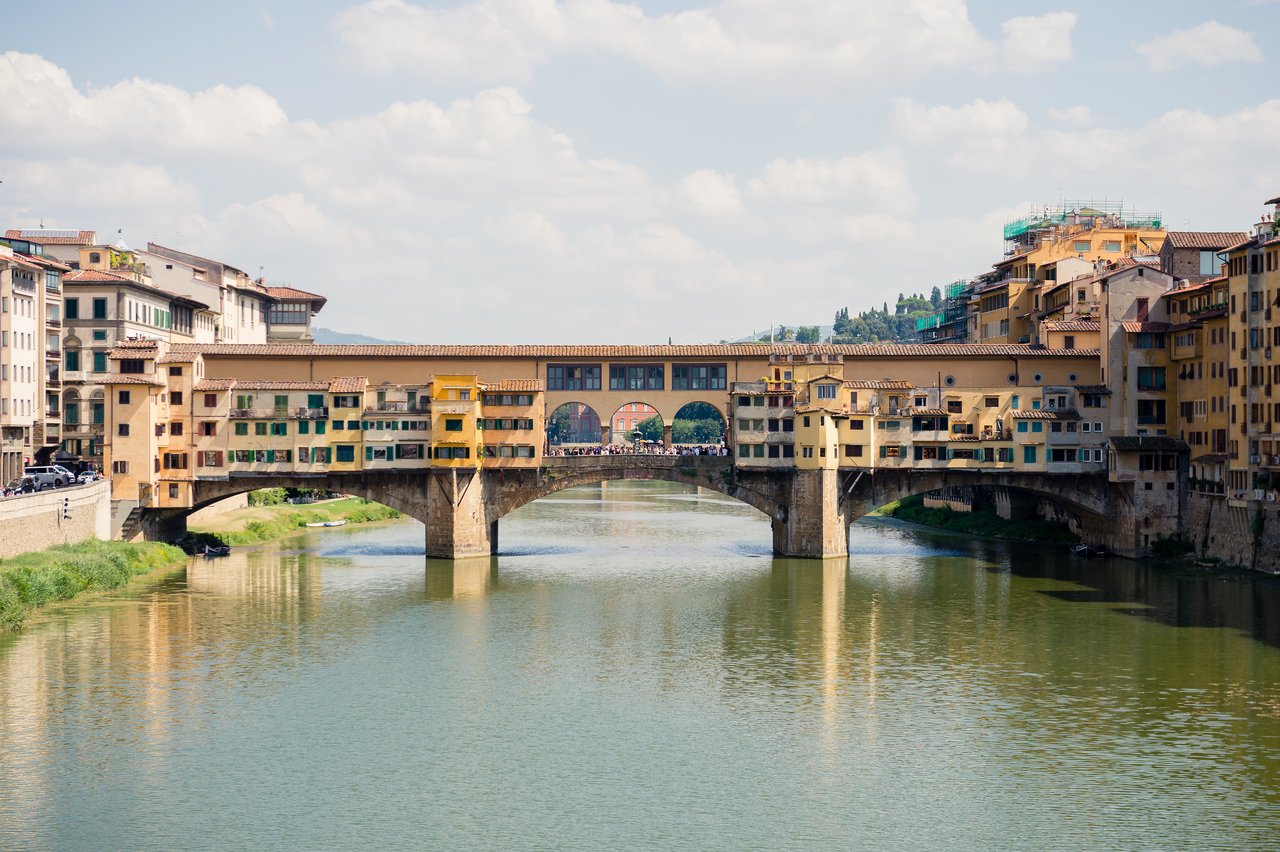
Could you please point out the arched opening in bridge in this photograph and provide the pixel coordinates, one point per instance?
(635, 423)
(698, 423)
(574, 424)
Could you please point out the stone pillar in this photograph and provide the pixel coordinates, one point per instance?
(606, 435)
(814, 525)
(666, 435)
(1013, 505)
(457, 517)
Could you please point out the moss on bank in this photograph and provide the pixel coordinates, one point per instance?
(983, 522)
(278, 521)
(60, 573)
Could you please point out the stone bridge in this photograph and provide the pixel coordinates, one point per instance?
(810, 510)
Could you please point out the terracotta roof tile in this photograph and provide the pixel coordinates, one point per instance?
(129, 379)
(94, 276)
(526, 385)
(293, 294)
(177, 358)
(723, 350)
(1047, 414)
(278, 384)
(1140, 327)
(1072, 325)
(347, 384)
(880, 384)
(929, 412)
(1205, 240)
(46, 262)
(33, 235)
(1099, 389)
(215, 384)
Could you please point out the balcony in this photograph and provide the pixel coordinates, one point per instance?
(398, 408)
(53, 354)
(52, 323)
(321, 413)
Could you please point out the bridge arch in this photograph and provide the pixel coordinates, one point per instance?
(692, 423)
(632, 416)
(573, 423)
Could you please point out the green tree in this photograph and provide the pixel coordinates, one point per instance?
(808, 334)
(935, 298)
(649, 429)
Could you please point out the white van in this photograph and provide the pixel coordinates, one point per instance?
(50, 475)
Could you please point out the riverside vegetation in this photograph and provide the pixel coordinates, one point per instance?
(60, 573)
(983, 522)
(270, 517)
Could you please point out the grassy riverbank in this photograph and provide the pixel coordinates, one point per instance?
(60, 573)
(983, 522)
(263, 523)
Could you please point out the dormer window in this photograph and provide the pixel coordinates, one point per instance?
(132, 365)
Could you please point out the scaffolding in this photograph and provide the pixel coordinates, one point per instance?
(1090, 214)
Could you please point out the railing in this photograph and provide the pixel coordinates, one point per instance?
(24, 284)
(52, 353)
(53, 323)
(398, 408)
(312, 413)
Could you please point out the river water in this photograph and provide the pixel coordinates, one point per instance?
(635, 670)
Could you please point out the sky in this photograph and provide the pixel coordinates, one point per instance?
(592, 171)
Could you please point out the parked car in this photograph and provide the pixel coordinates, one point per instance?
(21, 485)
(87, 476)
(50, 475)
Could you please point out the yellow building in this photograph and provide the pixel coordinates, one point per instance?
(512, 430)
(455, 410)
(346, 416)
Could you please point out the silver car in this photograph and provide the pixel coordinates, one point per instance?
(50, 476)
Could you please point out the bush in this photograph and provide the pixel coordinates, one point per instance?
(983, 522)
(60, 573)
(266, 497)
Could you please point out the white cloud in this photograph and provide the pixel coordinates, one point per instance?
(875, 180)
(711, 193)
(825, 44)
(1209, 44)
(981, 134)
(1078, 115)
(1035, 42)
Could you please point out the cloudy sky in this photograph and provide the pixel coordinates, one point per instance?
(571, 171)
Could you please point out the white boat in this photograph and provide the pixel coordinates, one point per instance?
(327, 524)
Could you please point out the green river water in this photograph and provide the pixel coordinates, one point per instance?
(635, 670)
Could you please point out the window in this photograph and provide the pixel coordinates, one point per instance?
(71, 310)
(122, 397)
(452, 452)
(99, 308)
(175, 461)
(1080, 245)
(175, 371)
(1029, 455)
(1112, 246)
(698, 377)
(991, 402)
(260, 428)
(72, 360)
(175, 397)
(346, 453)
(120, 467)
(1151, 379)
(100, 362)
(279, 429)
(304, 427)
(649, 377)
(826, 391)
(211, 458)
(122, 429)
(242, 428)
(175, 428)
(347, 401)
(453, 424)
(573, 377)
(211, 400)
(208, 428)
(1209, 263)
(855, 424)
(853, 451)
(287, 313)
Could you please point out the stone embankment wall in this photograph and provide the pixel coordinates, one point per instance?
(210, 513)
(1248, 536)
(36, 521)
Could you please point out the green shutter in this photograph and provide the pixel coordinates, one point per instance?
(271, 456)
(368, 453)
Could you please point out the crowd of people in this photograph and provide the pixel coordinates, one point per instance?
(641, 449)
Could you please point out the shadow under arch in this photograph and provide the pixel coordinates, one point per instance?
(632, 416)
(699, 422)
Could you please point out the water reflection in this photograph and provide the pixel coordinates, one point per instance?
(633, 669)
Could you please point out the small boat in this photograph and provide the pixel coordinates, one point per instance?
(1087, 550)
(211, 551)
(327, 524)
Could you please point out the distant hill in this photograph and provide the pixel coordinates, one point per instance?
(326, 335)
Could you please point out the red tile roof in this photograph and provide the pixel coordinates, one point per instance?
(525, 385)
(1205, 240)
(215, 384)
(1072, 325)
(277, 384)
(724, 350)
(33, 235)
(879, 384)
(347, 384)
(94, 276)
(1047, 414)
(292, 294)
(46, 262)
(129, 379)
(1140, 327)
(1091, 389)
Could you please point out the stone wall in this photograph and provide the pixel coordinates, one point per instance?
(1248, 536)
(201, 517)
(35, 521)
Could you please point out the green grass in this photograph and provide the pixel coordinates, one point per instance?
(278, 521)
(983, 522)
(60, 573)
